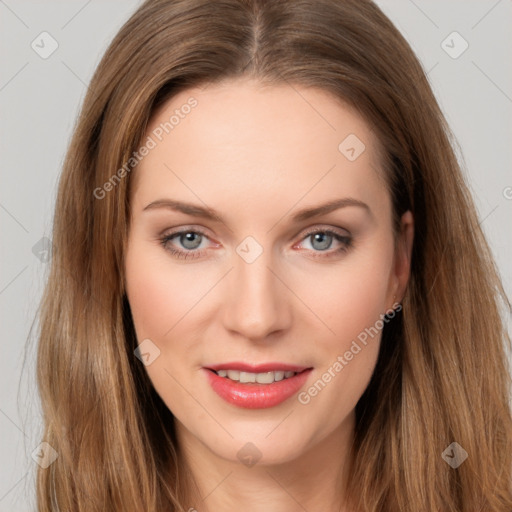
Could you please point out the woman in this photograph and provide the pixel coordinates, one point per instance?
(270, 288)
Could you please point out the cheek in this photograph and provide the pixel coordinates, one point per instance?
(161, 297)
(351, 299)
(160, 294)
(351, 295)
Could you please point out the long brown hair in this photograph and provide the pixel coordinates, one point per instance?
(442, 372)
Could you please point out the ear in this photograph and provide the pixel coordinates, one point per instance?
(403, 253)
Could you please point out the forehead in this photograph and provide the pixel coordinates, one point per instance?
(242, 140)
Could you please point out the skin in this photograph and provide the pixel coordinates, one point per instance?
(256, 155)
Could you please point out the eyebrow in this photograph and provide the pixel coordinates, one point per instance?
(210, 214)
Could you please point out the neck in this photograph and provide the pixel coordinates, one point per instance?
(312, 480)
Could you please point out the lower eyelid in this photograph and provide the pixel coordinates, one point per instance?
(344, 240)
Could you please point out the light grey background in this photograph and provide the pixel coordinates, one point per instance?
(39, 101)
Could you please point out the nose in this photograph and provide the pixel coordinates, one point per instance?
(257, 303)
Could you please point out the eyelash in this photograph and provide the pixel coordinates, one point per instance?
(346, 243)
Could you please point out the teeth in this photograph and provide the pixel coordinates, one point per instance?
(278, 376)
(247, 377)
(260, 378)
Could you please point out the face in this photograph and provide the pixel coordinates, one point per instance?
(233, 269)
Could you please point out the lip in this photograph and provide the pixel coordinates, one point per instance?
(257, 368)
(254, 395)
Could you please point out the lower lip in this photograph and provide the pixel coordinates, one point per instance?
(254, 395)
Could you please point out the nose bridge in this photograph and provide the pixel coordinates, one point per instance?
(256, 305)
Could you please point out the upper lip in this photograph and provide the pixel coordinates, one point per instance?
(257, 368)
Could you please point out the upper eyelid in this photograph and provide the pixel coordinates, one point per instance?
(304, 233)
(328, 229)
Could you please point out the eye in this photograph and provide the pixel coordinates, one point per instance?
(321, 240)
(189, 240)
(188, 243)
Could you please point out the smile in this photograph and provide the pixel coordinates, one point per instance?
(260, 378)
(239, 386)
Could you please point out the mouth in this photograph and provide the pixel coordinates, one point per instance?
(256, 386)
(251, 377)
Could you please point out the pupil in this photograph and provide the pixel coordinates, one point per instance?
(189, 242)
(324, 239)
